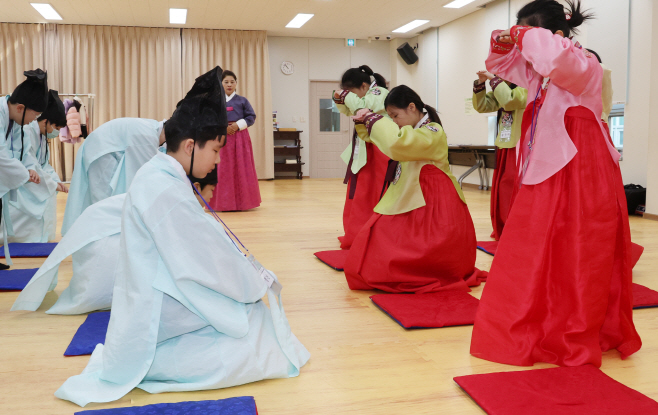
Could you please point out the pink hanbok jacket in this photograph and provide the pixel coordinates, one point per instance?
(575, 80)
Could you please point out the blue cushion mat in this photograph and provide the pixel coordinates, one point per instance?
(33, 250)
(242, 405)
(89, 334)
(16, 279)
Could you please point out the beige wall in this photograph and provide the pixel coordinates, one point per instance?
(422, 75)
(315, 60)
(448, 62)
(651, 44)
(636, 130)
(462, 49)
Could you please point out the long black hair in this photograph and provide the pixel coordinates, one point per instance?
(401, 96)
(551, 15)
(355, 77)
(595, 54)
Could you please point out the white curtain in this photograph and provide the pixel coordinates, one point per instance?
(21, 49)
(134, 72)
(246, 54)
(138, 72)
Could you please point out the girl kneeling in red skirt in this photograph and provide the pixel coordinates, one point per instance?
(421, 237)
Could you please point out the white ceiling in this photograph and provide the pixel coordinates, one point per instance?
(358, 19)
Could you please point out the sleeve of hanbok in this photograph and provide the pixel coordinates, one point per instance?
(249, 114)
(340, 102)
(12, 171)
(557, 58)
(349, 103)
(49, 170)
(428, 142)
(29, 161)
(510, 99)
(202, 259)
(506, 61)
(485, 102)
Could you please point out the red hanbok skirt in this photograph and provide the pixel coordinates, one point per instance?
(237, 185)
(502, 189)
(429, 249)
(559, 289)
(369, 186)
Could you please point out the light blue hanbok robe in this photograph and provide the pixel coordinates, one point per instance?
(21, 146)
(12, 174)
(107, 162)
(187, 312)
(34, 209)
(93, 243)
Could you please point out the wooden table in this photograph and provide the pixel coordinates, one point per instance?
(478, 158)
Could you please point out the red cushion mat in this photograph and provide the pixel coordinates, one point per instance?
(434, 310)
(488, 246)
(335, 259)
(582, 390)
(644, 297)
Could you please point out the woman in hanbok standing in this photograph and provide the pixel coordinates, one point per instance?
(237, 182)
(559, 289)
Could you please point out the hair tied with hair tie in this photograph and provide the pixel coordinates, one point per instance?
(568, 16)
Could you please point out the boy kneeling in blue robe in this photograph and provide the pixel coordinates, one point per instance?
(187, 309)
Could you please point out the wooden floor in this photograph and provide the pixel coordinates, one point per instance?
(361, 361)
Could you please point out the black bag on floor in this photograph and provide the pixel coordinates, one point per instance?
(636, 195)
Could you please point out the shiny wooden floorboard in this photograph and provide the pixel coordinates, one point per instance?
(361, 361)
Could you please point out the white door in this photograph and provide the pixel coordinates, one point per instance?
(330, 132)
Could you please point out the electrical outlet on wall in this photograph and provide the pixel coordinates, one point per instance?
(294, 119)
(302, 119)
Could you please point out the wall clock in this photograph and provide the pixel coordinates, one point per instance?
(287, 68)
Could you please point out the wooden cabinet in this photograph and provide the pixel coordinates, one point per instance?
(287, 146)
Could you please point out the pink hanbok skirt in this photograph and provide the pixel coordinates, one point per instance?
(237, 185)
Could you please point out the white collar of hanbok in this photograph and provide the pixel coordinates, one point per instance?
(175, 164)
(230, 97)
(422, 121)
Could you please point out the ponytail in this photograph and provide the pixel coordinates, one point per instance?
(401, 96)
(551, 15)
(432, 114)
(575, 16)
(355, 77)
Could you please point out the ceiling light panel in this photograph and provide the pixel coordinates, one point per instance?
(299, 20)
(410, 26)
(47, 11)
(177, 16)
(458, 4)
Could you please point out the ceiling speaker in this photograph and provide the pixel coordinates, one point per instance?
(407, 54)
